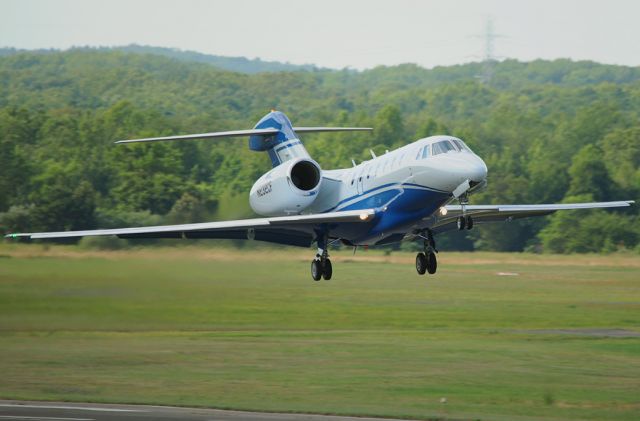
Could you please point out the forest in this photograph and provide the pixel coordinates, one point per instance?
(549, 131)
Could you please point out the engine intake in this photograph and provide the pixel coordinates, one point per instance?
(305, 175)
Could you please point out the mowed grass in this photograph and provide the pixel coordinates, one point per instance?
(250, 330)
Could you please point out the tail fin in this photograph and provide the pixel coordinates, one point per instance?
(282, 145)
(273, 134)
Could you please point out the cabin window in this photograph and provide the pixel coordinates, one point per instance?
(443, 146)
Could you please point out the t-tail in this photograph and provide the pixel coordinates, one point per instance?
(273, 134)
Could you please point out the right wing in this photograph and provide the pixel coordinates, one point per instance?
(297, 230)
(496, 213)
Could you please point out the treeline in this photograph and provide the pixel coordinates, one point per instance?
(549, 132)
(234, 64)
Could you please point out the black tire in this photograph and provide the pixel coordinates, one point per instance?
(432, 263)
(469, 222)
(327, 270)
(316, 270)
(421, 263)
(461, 223)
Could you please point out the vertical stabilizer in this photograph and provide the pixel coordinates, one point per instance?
(281, 146)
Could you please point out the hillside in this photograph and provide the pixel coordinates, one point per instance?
(234, 64)
(549, 131)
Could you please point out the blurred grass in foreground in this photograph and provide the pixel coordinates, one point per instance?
(250, 330)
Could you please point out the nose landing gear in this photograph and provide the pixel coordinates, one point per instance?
(464, 220)
(426, 261)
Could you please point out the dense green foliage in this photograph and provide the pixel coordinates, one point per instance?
(549, 131)
(234, 64)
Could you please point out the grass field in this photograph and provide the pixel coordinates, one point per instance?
(250, 330)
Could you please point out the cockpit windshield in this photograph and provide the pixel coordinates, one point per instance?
(443, 146)
(460, 144)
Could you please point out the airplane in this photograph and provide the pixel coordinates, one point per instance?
(408, 194)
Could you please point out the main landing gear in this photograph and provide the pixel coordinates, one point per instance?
(321, 268)
(321, 265)
(426, 261)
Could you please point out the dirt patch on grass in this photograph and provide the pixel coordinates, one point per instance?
(599, 332)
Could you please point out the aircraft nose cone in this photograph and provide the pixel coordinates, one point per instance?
(477, 170)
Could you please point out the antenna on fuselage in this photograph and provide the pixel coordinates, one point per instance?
(373, 154)
(353, 161)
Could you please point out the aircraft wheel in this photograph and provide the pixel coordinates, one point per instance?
(432, 263)
(316, 270)
(469, 222)
(421, 263)
(461, 223)
(327, 270)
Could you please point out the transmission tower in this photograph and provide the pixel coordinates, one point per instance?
(489, 59)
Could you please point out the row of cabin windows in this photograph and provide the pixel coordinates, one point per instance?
(436, 148)
(372, 171)
(440, 147)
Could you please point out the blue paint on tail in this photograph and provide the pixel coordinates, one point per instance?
(276, 120)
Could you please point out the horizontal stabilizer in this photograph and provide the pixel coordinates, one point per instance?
(235, 133)
(240, 133)
(331, 129)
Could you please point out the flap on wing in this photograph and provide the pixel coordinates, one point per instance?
(176, 231)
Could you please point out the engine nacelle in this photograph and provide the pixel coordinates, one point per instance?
(287, 189)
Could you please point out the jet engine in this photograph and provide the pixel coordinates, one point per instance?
(287, 189)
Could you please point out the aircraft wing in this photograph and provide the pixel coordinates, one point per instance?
(292, 230)
(496, 213)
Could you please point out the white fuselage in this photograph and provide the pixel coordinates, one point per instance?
(442, 172)
(409, 184)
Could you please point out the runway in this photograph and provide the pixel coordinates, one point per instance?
(65, 411)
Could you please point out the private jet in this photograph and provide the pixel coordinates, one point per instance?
(408, 194)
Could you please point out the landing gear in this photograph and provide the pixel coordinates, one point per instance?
(464, 222)
(321, 266)
(469, 222)
(432, 263)
(421, 263)
(316, 270)
(426, 261)
(328, 269)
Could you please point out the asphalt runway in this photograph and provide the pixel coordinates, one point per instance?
(65, 411)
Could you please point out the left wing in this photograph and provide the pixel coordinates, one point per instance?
(293, 230)
(496, 213)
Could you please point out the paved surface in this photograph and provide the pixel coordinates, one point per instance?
(65, 411)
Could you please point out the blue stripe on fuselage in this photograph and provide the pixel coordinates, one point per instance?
(362, 204)
(405, 204)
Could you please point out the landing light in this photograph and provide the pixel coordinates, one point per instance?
(443, 211)
(364, 216)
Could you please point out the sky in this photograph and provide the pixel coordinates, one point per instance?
(337, 33)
